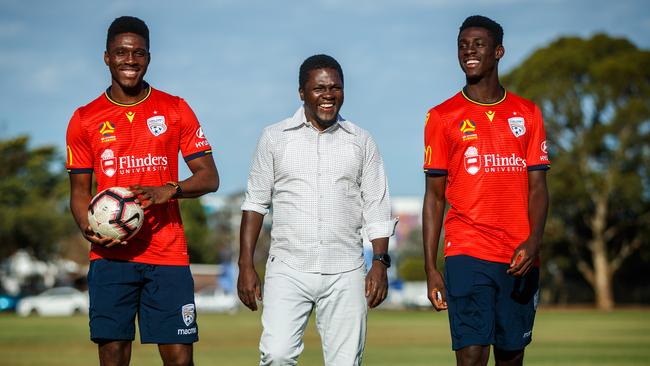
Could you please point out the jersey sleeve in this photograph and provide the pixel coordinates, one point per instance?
(79, 155)
(194, 144)
(435, 145)
(537, 152)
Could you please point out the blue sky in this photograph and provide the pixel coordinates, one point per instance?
(236, 62)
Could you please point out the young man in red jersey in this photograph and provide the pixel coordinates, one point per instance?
(485, 153)
(130, 136)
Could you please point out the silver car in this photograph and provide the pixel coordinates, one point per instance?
(57, 301)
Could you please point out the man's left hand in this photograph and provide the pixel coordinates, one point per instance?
(524, 257)
(150, 195)
(376, 284)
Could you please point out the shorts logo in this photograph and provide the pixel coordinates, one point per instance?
(468, 128)
(157, 125)
(187, 311)
(517, 126)
(108, 162)
(472, 160)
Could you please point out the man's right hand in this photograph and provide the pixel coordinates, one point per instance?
(249, 287)
(436, 291)
(97, 239)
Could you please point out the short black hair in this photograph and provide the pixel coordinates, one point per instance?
(127, 24)
(317, 62)
(493, 28)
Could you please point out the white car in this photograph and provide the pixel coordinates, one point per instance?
(211, 300)
(57, 301)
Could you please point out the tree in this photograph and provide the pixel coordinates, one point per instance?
(595, 97)
(33, 198)
(200, 243)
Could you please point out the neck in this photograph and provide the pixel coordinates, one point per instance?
(128, 95)
(484, 90)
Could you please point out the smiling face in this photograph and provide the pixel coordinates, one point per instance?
(322, 96)
(127, 58)
(477, 53)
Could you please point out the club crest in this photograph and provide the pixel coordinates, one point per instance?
(157, 125)
(108, 162)
(517, 126)
(472, 160)
(187, 311)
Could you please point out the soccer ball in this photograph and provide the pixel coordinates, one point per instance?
(114, 213)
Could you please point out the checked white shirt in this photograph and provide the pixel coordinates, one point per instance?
(324, 187)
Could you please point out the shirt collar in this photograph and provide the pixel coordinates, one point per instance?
(299, 120)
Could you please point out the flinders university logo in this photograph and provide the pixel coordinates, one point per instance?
(157, 125)
(517, 126)
(187, 311)
(472, 160)
(108, 162)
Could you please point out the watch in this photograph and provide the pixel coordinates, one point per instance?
(384, 258)
(177, 187)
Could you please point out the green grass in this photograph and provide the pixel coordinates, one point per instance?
(410, 338)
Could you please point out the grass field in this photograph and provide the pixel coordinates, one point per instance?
(409, 338)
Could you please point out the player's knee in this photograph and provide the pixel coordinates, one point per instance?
(177, 359)
(279, 355)
(180, 360)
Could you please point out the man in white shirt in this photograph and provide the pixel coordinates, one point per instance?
(325, 179)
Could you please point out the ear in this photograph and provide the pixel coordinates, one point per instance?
(106, 57)
(499, 52)
(302, 94)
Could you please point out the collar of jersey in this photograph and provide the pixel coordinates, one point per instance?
(108, 96)
(505, 93)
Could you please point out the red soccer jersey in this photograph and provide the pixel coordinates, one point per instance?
(138, 144)
(486, 151)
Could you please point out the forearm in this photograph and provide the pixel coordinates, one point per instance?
(79, 203)
(433, 210)
(251, 224)
(204, 178)
(199, 184)
(432, 214)
(379, 245)
(537, 206)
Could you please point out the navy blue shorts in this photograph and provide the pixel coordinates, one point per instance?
(487, 306)
(161, 296)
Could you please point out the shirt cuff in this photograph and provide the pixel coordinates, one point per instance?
(250, 206)
(382, 229)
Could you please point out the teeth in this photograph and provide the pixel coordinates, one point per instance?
(328, 105)
(472, 62)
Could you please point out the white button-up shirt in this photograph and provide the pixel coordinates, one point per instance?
(324, 187)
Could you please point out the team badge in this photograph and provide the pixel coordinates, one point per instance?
(108, 162)
(157, 125)
(187, 311)
(517, 126)
(468, 128)
(472, 160)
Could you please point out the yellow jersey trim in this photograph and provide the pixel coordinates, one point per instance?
(128, 105)
(505, 93)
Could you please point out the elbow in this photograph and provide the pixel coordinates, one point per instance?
(214, 185)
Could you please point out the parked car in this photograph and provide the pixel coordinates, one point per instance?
(57, 301)
(215, 300)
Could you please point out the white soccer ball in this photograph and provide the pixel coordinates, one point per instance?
(114, 213)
